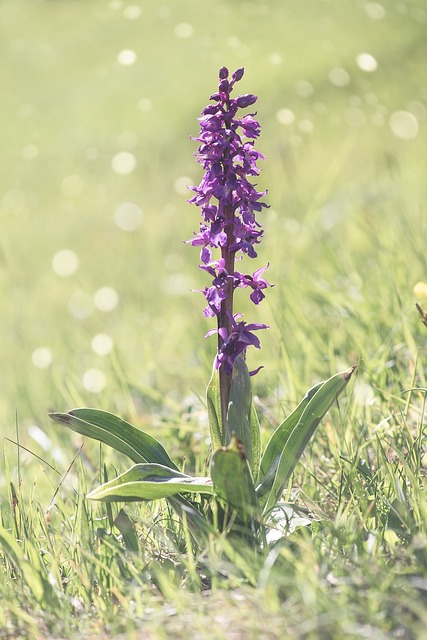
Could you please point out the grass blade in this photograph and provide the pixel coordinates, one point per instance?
(30, 566)
(127, 529)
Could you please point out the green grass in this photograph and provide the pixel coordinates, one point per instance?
(346, 241)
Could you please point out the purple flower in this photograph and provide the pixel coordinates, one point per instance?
(236, 342)
(256, 282)
(229, 203)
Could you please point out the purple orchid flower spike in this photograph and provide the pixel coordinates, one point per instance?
(228, 203)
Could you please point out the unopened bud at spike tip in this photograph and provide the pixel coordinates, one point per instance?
(238, 75)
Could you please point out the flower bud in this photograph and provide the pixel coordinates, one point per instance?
(246, 100)
(238, 75)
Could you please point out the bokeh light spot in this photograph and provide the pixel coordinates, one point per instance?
(418, 109)
(30, 152)
(102, 344)
(128, 216)
(145, 104)
(374, 10)
(123, 163)
(181, 185)
(339, 77)
(65, 263)
(306, 126)
(285, 116)
(42, 357)
(183, 30)
(304, 89)
(420, 289)
(366, 62)
(94, 380)
(106, 299)
(132, 12)
(127, 57)
(80, 305)
(176, 284)
(404, 125)
(275, 58)
(234, 42)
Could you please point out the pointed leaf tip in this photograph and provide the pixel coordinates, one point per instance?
(347, 374)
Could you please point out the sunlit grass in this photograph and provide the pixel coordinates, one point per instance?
(346, 241)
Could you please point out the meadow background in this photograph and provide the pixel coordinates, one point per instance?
(99, 100)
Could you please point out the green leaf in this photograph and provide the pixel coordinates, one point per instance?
(278, 440)
(139, 447)
(288, 442)
(149, 482)
(117, 433)
(214, 410)
(127, 528)
(242, 421)
(232, 479)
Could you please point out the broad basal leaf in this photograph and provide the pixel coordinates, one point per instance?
(139, 447)
(288, 442)
(117, 433)
(149, 482)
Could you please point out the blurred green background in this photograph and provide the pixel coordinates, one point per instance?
(99, 100)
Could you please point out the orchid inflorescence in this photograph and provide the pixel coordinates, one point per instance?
(243, 496)
(228, 203)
